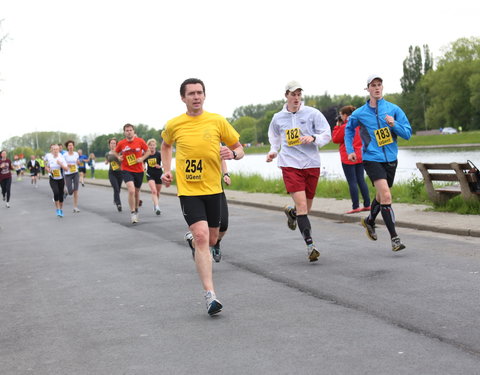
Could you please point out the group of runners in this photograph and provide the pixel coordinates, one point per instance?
(204, 141)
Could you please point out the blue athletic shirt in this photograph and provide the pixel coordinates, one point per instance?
(374, 130)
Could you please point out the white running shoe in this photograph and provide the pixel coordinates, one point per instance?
(213, 304)
(76, 210)
(134, 218)
(7, 205)
(157, 210)
(189, 239)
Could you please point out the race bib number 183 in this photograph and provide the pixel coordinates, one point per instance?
(383, 136)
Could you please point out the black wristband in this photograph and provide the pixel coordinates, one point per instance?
(226, 174)
(314, 138)
(234, 155)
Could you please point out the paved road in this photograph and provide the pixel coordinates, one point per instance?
(92, 294)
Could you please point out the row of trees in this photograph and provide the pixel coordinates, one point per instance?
(446, 96)
(432, 98)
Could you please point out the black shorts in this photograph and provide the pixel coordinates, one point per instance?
(82, 170)
(136, 177)
(202, 208)
(156, 177)
(381, 171)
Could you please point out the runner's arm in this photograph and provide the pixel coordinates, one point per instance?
(166, 152)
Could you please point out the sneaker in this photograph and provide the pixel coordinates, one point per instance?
(366, 208)
(370, 229)
(292, 218)
(216, 253)
(397, 245)
(76, 210)
(312, 252)
(119, 207)
(60, 213)
(7, 205)
(157, 210)
(213, 304)
(354, 211)
(189, 239)
(83, 184)
(133, 218)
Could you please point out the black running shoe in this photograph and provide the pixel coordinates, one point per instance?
(291, 217)
(216, 253)
(370, 229)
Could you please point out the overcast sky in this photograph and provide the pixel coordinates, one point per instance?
(91, 66)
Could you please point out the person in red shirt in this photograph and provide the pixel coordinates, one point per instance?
(132, 151)
(353, 170)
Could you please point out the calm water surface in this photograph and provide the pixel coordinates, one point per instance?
(332, 167)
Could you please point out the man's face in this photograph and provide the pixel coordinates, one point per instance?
(375, 89)
(194, 97)
(129, 133)
(294, 99)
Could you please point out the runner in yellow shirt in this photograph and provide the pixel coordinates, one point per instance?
(197, 135)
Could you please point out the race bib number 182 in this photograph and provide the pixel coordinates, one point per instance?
(293, 137)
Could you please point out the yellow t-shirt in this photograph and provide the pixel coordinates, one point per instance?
(197, 138)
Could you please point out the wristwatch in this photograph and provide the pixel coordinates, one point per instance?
(234, 155)
(314, 138)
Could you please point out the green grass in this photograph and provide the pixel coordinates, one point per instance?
(412, 191)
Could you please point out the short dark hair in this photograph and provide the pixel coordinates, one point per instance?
(128, 126)
(112, 139)
(190, 81)
(69, 141)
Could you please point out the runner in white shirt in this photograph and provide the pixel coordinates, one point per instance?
(298, 131)
(71, 175)
(56, 166)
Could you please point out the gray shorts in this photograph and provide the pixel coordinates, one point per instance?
(71, 182)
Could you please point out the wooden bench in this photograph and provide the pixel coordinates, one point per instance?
(460, 177)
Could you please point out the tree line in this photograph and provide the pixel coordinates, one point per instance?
(432, 97)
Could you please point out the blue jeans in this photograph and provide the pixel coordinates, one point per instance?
(355, 176)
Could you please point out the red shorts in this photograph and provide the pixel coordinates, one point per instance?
(301, 180)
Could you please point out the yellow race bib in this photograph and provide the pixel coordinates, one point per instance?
(114, 165)
(293, 137)
(131, 159)
(72, 168)
(193, 170)
(56, 173)
(383, 136)
(152, 162)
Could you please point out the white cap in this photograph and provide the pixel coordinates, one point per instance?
(293, 85)
(372, 77)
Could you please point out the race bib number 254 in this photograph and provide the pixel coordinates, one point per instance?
(193, 170)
